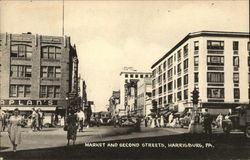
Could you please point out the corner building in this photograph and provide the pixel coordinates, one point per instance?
(216, 63)
(37, 72)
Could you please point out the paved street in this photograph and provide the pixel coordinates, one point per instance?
(153, 143)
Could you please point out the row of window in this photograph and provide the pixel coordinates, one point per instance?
(25, 91)
(25, 51)
(211, 60)
(211, 93)
(26, 71)
(137, 76)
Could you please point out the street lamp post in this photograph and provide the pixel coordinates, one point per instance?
(66, 109)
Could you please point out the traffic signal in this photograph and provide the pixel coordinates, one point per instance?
(195, 96)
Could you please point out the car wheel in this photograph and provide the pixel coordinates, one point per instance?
(247, 132)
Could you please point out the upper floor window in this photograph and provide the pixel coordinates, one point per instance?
(170, 72)
(179, 97)
(179, 54)
(21, 50)
(236, 61)
(236, 77)
(154, 73)
(248, 46)
(141, 76)
(51, 52)
(185, 50)
(215, 93)
(218, 45)
(185, 64)
(126, 75)
(170, 60)
(235, 45)
(136, 76)
(131, 76)
(20, 71)
(50, 72)
(215, 60)
(236, 93)
(196, 45)
(179, 68)
(185, 79)
(170, 86)
(179, 82)
(186, 94)
(215, 77)
(19, 90)
(164, 65)
(196, 77)
(49, 91)
(248, 61)
(196, 61)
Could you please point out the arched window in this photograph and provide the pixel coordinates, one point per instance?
(21, 50)
(51, 52)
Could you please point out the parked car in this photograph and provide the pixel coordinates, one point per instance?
(238, 121)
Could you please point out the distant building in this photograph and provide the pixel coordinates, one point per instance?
(128, 87)
(114, 102)
(144, 93)
(217, 63)
(37, 71)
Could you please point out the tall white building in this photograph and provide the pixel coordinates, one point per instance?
(127, 77)
(217, 63)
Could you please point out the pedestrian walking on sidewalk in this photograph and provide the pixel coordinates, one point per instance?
(14, 129)
(208, 123)
(81, 118)
(72, 127)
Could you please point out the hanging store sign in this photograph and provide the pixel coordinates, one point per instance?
(28, 102)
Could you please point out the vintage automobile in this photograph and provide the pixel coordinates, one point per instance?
(238, 121)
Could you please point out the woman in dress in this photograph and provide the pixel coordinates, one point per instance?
(72, 127)
(14, 129)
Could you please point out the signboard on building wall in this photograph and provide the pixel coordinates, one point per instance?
(28, 102)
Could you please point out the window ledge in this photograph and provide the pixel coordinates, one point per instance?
(21, 58)
(50, 79)
(20, 78)
(50, 60)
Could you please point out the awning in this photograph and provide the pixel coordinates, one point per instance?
(44, 108)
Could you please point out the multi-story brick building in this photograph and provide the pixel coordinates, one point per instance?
(217, 63)
(144, 92)
(128, 86)
(37, 72)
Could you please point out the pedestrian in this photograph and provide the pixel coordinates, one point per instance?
(14, 129)
(170, 119)
(162, 121)
(81, 118)
(146, 121)
(219, 120)
(40, 118)
(71, 127)
(33, 119)
(207, 123)
(1, 119)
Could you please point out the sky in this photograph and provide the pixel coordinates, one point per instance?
(112, 34)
